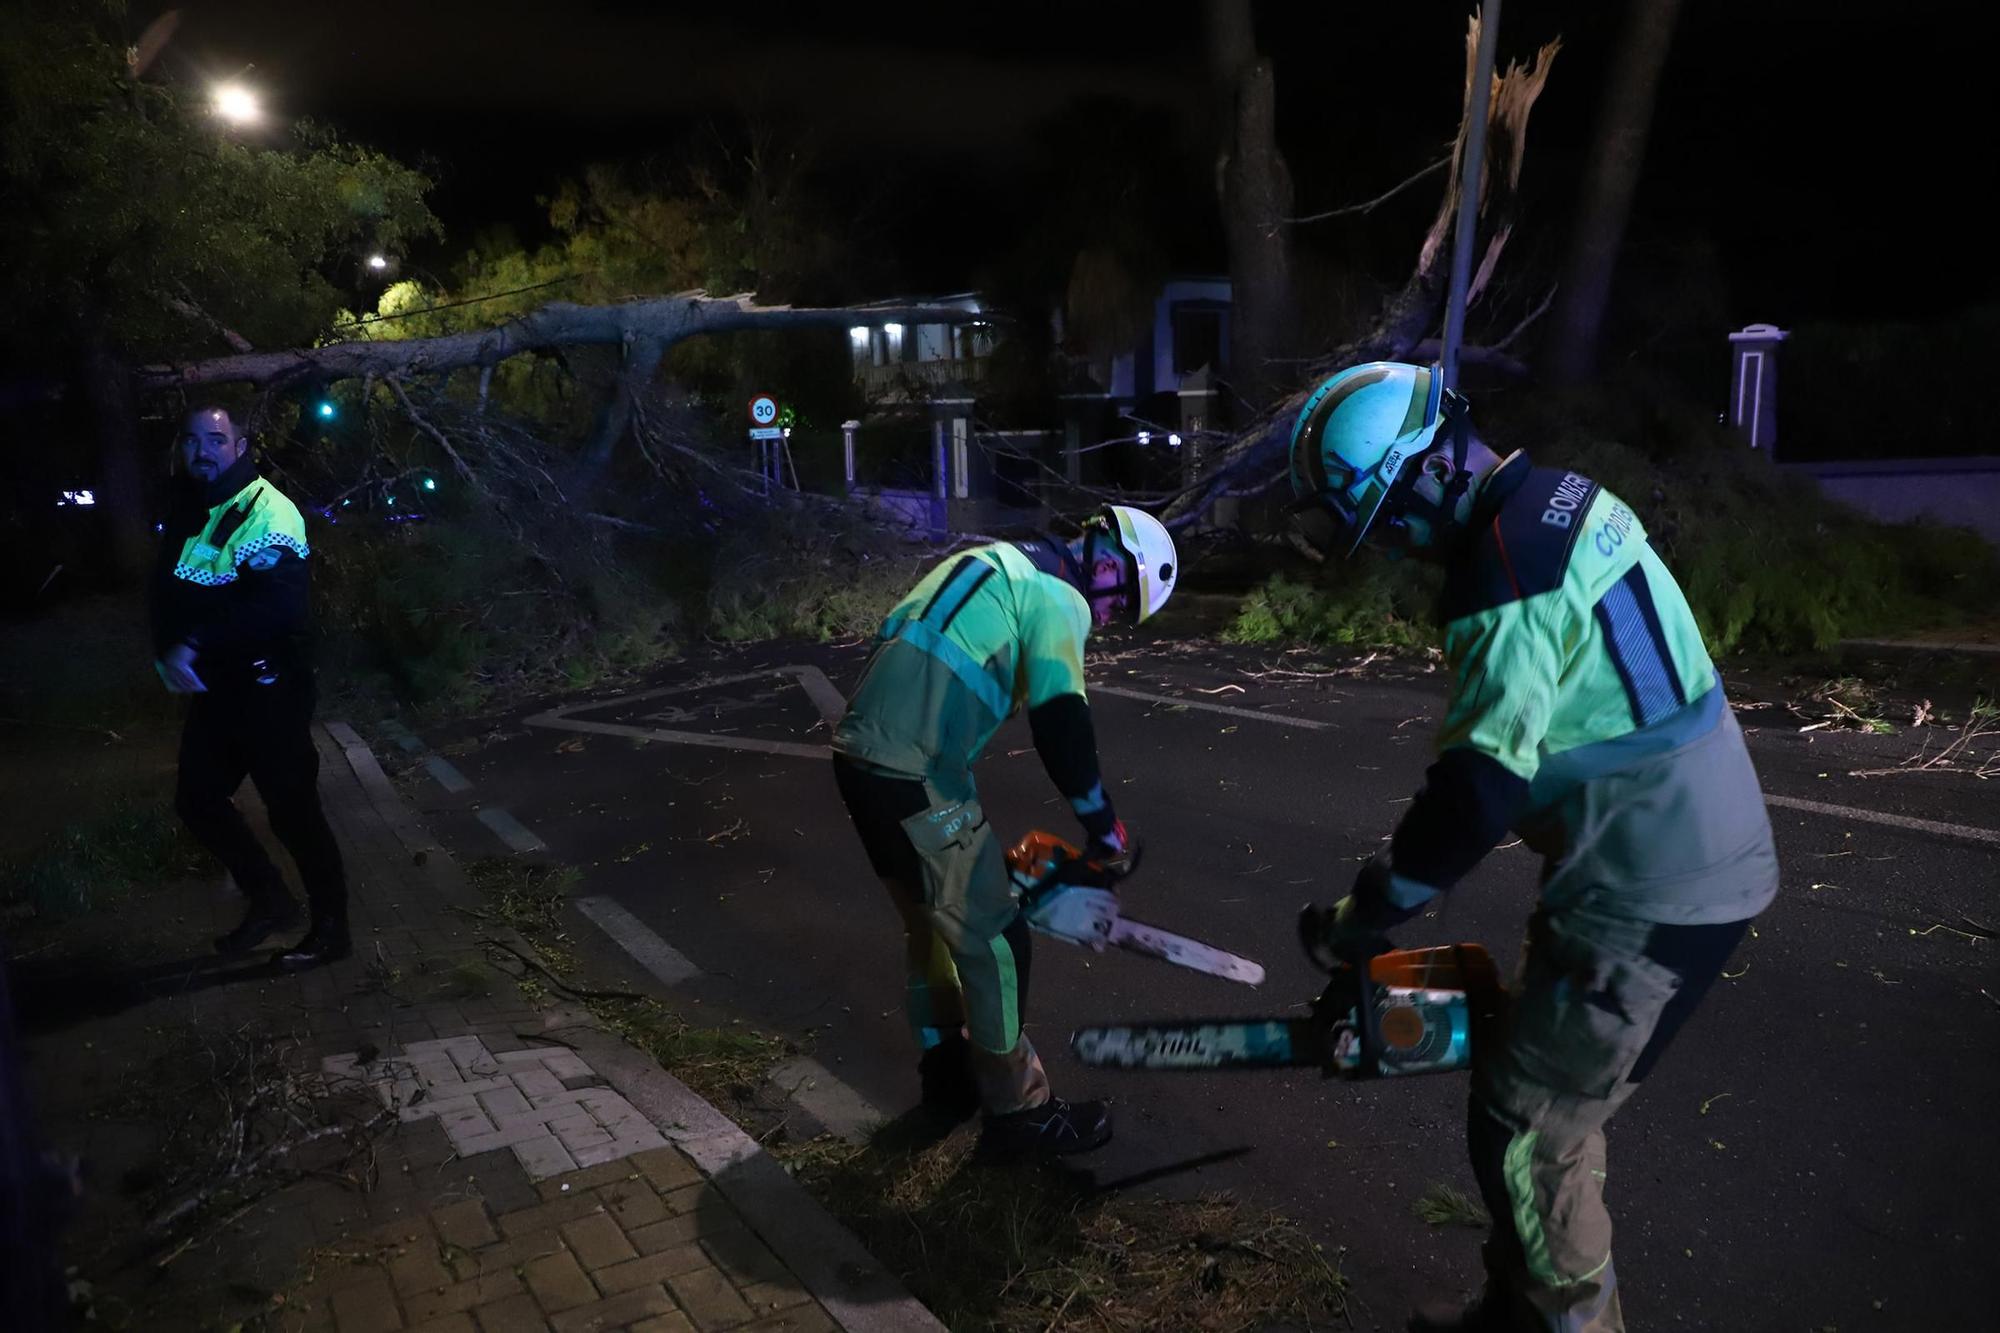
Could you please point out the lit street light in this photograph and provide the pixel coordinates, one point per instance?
(236, 104)
(377, 262)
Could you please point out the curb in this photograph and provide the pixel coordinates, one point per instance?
(1919, 646)
(829, 1261)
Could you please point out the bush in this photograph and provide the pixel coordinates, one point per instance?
(92, 860)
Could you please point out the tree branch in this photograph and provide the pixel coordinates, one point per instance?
(558, 324)
(1375, 203)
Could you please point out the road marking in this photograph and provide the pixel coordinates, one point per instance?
(402, 735)
(1788, 802)
(635, 937)
(511, 830)
(447, 774)
(1310, 724)
(826, 699)
(840, 1108)
(1883, 817)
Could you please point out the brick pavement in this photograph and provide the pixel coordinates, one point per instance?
(537, 1173)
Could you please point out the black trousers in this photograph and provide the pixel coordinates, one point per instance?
(263, 732)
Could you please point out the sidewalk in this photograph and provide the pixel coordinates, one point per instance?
(531, 1170)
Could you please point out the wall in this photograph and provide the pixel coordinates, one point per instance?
(1964, 492)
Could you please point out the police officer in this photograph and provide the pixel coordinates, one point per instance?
(997, 629)
(230, 617)
(1586, 715)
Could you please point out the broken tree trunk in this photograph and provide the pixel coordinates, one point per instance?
(665, 320)
(1254, 461)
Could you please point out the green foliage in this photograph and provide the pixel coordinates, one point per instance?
(133, 216)
(1381, 605)
(93, 859)
(1767, 563)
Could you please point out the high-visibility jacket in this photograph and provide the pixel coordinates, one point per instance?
(1585, 713)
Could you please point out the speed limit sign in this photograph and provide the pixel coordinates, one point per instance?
(763, 410)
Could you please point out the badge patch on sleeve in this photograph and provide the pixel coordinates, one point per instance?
(265, 558)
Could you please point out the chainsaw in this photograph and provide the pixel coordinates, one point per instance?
(1069, 898)
(1407, 1011)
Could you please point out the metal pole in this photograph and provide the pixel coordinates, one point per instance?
(1478, 99)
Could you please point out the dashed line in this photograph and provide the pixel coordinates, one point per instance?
(447, 774)
(1883, 817)
(635, 937)
(840, 1108)
(511, 830)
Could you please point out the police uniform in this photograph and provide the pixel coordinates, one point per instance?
(232, 583)
(1585, 714)
(999, 629)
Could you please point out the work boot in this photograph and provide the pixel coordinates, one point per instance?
(325, 942)
(951, 1093)
(1488, 1314)
(1056, 1128)
(269, 911)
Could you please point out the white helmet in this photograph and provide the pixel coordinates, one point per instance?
(1151, 564)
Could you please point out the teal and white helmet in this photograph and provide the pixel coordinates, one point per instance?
(1354, 445)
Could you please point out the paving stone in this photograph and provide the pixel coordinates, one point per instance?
(568, 1064)
(650, 1268)
(548, 1216)
(517, 1131)
(591, 1154)
(559, 1283)
(615, 1312)
(451, 1323)
(464, 1225)
(506, 1256)
(419, 1269)
(667, 1168)
(458, 1296)
(664, 1323)
(709, 1299)
(516, 1314)
(582, 1182)
(366, 1306)
(744, 1257)
(505, 1101)
(536, 1082)
(802, 1319)
(529, 1057)
(665, 1235)
(598, 1241)
(544, 1157)
(632, 1202)
(767, 1297)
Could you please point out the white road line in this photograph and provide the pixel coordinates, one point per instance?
(635, 937)
(826, 700)
(447, 774)
(1311, 724)
(511, 830)
(1967, 831)
(840, 1108)
(1883, 817)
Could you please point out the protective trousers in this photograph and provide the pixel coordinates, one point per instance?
(1597, 1000)
(263, 732)
(966, 949)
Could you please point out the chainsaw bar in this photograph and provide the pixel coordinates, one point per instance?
(1181, 951)
(1200, 1044)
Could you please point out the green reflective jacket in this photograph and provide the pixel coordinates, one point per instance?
(1578, 667)
(978, 638)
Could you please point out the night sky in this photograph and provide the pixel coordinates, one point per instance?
(1822, 150)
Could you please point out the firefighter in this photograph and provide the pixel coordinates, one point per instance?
(998, 629)
(1586, 715)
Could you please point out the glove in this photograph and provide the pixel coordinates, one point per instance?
(1357, 927)
(1337, 935)
(1110, 844)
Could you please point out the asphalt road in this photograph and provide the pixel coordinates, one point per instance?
(1817, 1151)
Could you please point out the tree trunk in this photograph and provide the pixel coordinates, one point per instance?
(121, 472)
(642, 359)
(1256, 194)
(667, 319)
(1611, 176)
